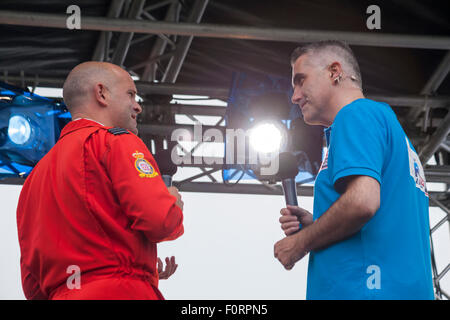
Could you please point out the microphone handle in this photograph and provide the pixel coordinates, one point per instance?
(167, 180)
(290, 191)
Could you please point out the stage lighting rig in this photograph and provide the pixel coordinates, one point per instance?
(29, 127)
(260, 105)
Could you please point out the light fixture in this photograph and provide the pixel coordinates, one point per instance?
(261, 106)
(19, 130)
(29, 127)
(266, 137)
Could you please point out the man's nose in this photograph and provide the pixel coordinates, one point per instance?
(296, 96)
(137, 108)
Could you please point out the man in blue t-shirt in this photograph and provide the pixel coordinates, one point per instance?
(368, 237)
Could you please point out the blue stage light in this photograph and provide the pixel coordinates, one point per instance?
(19, 130)
(29, 127)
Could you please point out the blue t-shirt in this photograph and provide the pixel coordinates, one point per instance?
(389, 258)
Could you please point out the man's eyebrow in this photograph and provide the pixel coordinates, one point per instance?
(297, 78)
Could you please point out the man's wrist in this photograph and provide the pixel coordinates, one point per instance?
(304, 239)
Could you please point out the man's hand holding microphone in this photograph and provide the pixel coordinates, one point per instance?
(292, 248)
(174, 191)
(293, 218)
(168, 169)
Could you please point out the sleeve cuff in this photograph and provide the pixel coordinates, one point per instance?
(356, 171)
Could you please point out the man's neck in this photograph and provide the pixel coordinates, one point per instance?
(342, 99)
(92, 117)
(75, 119)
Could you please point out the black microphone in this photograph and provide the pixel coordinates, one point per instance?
(288, 170)
(166, 166)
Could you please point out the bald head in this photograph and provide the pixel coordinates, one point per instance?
(102, 92)
(79, 86)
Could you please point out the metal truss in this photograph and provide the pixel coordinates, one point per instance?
(101, 51)
(437, 276)
(431, 87)
(167, 53)
(436, 140)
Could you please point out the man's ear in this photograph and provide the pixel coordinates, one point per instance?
(101, 94)
(335, 70)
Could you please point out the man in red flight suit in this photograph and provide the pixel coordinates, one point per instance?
(93, 209)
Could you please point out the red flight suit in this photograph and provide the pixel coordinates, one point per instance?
(95, 201)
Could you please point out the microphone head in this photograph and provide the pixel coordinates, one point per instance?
(288, 166)
(165, 164)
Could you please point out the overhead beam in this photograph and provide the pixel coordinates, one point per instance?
(437, 174)
(414, 101)
(197, 110)
(240, 188)
(36, 19)
(168, 129)
(145, 87)
(169, 89)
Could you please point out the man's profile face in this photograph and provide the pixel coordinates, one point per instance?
(124, 107)
(311, 90)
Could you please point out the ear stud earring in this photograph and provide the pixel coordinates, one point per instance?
(337, 79)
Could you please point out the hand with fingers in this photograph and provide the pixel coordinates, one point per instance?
(170, 269)
(292, 217)
(174, 191)
(290, 250)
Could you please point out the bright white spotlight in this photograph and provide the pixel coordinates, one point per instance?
(265, 137)
(19, 130)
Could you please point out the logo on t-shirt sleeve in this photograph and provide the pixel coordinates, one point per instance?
(416, 170)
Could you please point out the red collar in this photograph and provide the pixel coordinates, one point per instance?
(78, 124)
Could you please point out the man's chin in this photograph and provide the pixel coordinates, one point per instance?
(310, 122)
(306, 119)
(132, 127)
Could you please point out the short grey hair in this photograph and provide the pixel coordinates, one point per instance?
(339, 49)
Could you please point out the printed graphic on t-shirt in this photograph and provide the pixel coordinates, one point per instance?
(416, 170)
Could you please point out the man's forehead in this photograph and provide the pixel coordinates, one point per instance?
(299, 64)
(298, 71)
(302, 65)
(126, 78)
(133, 85)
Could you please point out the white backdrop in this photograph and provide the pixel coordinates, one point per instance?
(225, 253)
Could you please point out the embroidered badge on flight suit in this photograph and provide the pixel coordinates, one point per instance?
(144, 167)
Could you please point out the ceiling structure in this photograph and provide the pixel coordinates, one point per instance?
(194, 46)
